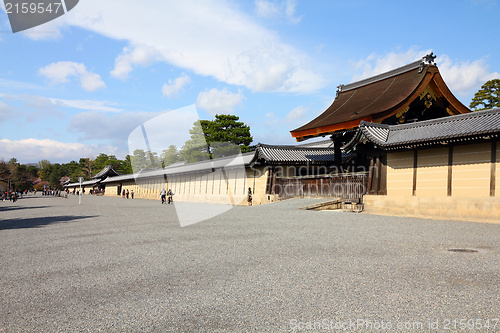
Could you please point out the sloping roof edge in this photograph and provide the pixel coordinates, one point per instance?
(446, 129)
(380, 77)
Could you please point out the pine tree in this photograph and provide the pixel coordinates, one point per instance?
(488, 97)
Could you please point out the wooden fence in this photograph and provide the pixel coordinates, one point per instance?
(345, 186)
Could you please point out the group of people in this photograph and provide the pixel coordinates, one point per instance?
(164, 195)
(53, 193)
(12, 196)
(167, 196)
(126, 194)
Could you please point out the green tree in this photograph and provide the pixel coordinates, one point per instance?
(195, 149)
(5, 174)
(144, 160)
(488, 97)
(125, 166)
(224, 129)
(101, 161)
(223, 136)
(44, 169)
(170, 156)
(87, 167)
(55, 175)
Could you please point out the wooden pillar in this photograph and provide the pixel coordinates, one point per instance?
(378, 166)
(493, 167)
(382, 189)
(415, 166)
(450, 169)
(337, 143)
(370, 177)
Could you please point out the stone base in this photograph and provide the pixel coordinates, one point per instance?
(486, 209)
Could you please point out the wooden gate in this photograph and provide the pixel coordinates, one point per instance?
(345, 186)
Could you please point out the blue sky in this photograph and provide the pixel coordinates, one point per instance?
(79, 85)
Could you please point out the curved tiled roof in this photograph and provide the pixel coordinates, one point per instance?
(381, 97)
(362, 99)
(294, 154)
(85, 183)
(272, 154)
(108, 170)
(453, 128)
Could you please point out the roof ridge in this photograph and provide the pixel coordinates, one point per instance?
(382, 76)
(423, 123)
(210, 160)
(297, 147)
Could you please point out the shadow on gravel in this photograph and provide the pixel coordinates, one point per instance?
(38, 221)
(9, 208)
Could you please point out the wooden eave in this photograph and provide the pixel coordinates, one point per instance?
(431, 75)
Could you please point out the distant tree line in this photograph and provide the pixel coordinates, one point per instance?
(223, 136)
(21, 177)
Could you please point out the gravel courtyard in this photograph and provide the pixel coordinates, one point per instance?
(113, 264)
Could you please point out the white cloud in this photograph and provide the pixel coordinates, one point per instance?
(209, 38)
(463, 78)
(86, 104)
(108, 126)
(34, 150)
(167, 128)
(216, 101)
(163, 128)
(60, 72)
(296, 114)
(273, 9)
(376, 64)
(142, 55)
(175, 86)
(47, 103)
(19, 85)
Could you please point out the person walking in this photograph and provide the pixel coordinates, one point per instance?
(127, 194)
(249, 196)
(163, 194)
(170, 195)
(132, 194)
(123, 194)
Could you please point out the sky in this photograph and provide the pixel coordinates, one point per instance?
(83, 83)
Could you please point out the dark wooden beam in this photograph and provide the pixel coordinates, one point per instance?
(337, 143)
(415, 166)
(493, 167)
(450, 169)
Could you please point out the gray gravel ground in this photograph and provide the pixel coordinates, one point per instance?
(112, 264)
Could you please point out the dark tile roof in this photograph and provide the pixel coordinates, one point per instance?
(228, 162)
(371, 96)
(447, 129)
(327, 143)
(85, 183)
(272, 154)
(294, 154)
(381, 77)
(108, 171)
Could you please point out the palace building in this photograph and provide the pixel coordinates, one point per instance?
(397, 143)
(426, 154)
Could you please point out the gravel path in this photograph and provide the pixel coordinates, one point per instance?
(112, 264)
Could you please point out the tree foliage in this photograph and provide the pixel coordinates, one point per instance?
(195, 149)
(144, 160)
(226, 128)
(170, 156)
(488, 97)
(223, 136)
